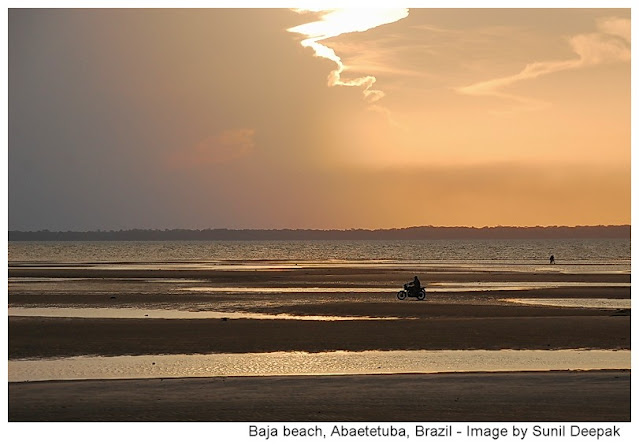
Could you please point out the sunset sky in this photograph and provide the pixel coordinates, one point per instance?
(278, 118)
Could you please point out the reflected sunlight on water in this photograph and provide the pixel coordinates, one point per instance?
(142, 313)
(576, 303)
(327, 363)
(441, 287)
(589, 251)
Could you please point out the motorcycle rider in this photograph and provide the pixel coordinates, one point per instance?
(414, 287)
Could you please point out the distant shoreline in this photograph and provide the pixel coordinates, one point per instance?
(413, 233)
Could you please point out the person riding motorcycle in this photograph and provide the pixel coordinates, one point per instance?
(414, 287)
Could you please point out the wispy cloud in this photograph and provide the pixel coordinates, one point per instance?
(611, 43)
(333, 23)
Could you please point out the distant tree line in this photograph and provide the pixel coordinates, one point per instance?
(413, 233)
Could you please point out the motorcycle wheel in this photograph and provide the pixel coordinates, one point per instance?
(421, 295)
(401, 295)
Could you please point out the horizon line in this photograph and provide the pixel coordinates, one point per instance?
(332, 229)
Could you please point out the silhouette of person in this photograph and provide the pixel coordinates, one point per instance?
(415, 285)
(552, 259)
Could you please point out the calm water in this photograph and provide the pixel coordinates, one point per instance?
(608, 251)
(328, 363)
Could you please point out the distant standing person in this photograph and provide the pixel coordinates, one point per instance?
(552, 259)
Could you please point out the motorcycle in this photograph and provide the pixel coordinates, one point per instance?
(409, 291)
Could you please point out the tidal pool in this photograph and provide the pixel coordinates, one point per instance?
(575, 303)
(303, 363)
(142, 313)
(441, 287)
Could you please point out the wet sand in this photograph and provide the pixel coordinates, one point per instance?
(547, 396)
(453, 320)
(392, 275)
(542, 329)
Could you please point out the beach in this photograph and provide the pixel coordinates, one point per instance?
(214, 214)
(314, 309)
(547, 396)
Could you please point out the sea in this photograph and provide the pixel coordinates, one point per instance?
(565, 251)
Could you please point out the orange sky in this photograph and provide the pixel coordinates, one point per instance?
(251, 118)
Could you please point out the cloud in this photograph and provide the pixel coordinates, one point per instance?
(224, 147)
(611, 43)
(333, 23)
(615, 26)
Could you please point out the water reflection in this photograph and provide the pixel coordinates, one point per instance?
(459, 266)
(440, 287)
(576, 303)
(142, 313)
(327, 363)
